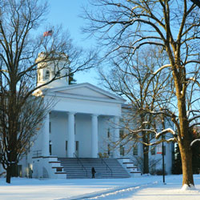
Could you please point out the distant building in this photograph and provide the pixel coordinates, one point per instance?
(133, 149)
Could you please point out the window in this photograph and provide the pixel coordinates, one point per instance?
(135, 150)
(19, 170)
(77, 145)
(66, 148)
(77, 148)
(66, 145)
(58, 74)
(50, 147)
(39, 76)
(153, 150)
(108, 133)
(121, 150)
(49, 127)
(75, 127)
(47, 75)
(108, 149)
(121, 134)
(164, 150)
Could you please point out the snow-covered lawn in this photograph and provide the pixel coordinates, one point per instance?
(140, 188)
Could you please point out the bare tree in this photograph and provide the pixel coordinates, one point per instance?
(19, 50)
(131, 77)
(17, 136)
(173, 26)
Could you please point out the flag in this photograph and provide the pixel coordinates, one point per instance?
(48, 33)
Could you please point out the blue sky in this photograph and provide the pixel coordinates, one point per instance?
(67, 12)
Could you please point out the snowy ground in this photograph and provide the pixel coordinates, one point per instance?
(143, 188)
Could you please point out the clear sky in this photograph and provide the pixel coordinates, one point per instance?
(67, 12)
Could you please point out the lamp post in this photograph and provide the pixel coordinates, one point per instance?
(163, 160)
(163, 151)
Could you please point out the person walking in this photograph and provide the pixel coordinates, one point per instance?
(93, 172)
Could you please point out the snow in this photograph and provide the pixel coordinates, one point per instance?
(167, 130)
(187, 187)
(171, 140)
(196, 140)
(192, 78)
(137, 188)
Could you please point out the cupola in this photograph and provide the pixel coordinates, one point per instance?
(54, 69)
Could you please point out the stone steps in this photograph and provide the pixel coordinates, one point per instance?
(130, 167)
(81, 168)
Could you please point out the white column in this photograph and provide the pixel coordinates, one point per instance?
(116, 153)
(94, 140)
(45, 144)
(71, 140)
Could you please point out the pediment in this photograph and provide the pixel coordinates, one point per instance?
(85, 91)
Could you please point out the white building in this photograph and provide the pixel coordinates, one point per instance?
(82, 123)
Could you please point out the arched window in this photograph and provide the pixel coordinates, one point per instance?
(47, 75)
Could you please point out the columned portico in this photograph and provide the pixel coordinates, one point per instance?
(71, 141)
(116, 153)
(78, 123)
(45, 128)
(94, 140)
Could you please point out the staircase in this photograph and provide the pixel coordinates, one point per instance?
(81, 168)
(73, 168)
(47, 167)
(130, 167)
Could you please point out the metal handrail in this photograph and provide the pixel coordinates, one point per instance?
(107, 167)
(78, 159)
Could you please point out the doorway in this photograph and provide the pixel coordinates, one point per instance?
(77, 148)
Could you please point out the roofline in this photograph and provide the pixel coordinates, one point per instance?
(93, 87)
(85, 98)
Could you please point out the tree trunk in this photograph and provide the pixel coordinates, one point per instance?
(184, 135)
(145, 159)
(14, 170)
(8, 175)
(145, 147)
(186, 159)
(185, 138)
